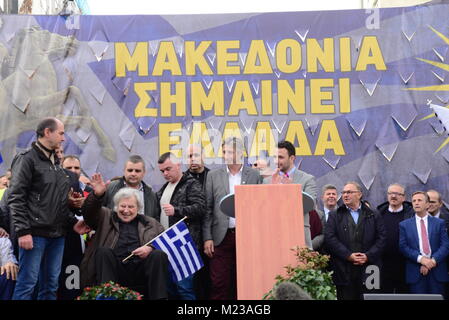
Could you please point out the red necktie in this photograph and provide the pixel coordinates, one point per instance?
(425, 239)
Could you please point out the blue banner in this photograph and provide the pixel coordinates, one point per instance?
(351, 89)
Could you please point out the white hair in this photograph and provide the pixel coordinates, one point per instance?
(126, 193)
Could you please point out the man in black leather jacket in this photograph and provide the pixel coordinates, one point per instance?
(182, 196)
(38, 201)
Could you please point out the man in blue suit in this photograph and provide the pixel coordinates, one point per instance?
(424, 242)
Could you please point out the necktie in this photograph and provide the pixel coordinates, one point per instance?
(425, 239)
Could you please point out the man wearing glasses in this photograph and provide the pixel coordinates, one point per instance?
(355, 238)
(395, 210)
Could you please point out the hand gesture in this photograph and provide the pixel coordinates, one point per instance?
(275, 177)
(3, 233)
(142, 252)
(209, 248)
(428, 263)
(424, 271)
(168, 209)
(26, 242)
(11, 270)
(98, 185)
(81, 228)
(358, 258)
(76, 199)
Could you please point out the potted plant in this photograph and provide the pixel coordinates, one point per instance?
(309, 274)
(109, 291)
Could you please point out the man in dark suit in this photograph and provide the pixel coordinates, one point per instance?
(423, 240)
(355, 238)
(218, 228)
(438, 210)
(329, 196)
(395, 210)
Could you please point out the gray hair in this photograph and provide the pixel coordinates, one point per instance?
(397, 185)
(328, 187)
(126, 193)
(234, 142)
(356, 184)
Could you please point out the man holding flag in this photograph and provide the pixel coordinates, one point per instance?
(181, 197)
(119, 233)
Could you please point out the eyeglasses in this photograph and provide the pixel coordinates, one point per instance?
(395, 194)
(349, 192)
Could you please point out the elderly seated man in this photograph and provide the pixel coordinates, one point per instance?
(8, 269)
(118, 234)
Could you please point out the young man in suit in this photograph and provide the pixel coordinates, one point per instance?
(218, 228)
(329, 197)
(287, 172)
(424, 242)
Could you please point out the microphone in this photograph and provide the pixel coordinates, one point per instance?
(290, 291)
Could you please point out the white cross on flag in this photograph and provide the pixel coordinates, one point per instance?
(182, 253)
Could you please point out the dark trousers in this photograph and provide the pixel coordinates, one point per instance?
(427, 285)
(71, 260)
(223, 269)
(355, 288)
(151, 272)
(201, 280)
(6, 287)
(392, 276)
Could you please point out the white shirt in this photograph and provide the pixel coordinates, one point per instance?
(397, 210)
(326, 213)
(418, 226)
(165, 199)
(437, 215)
(234, 180)
(83, 243)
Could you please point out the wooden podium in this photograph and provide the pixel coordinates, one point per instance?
(269, 222)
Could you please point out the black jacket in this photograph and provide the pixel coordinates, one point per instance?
(38, 197)
(189, 201)
(408, 208)
(205, 172)
(391, 254)
(337, 240)
(151, 206)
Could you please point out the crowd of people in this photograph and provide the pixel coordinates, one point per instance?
(56, 220)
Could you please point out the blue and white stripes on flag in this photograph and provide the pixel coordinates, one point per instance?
(182, 253)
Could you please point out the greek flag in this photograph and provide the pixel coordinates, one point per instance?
(182, 253)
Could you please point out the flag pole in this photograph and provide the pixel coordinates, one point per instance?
(146, 244)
